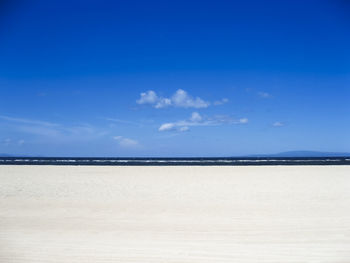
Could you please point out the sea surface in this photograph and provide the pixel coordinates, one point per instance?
(176, 161)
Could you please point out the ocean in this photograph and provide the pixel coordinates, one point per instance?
(234, 161)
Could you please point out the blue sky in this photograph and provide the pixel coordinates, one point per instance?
(174, 78)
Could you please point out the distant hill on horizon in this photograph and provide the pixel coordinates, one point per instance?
(304, 154)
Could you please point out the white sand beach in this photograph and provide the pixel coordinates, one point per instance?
(272, 214)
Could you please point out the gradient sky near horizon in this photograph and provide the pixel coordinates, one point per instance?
(174, 78)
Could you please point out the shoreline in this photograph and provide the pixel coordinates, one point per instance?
(177, 161)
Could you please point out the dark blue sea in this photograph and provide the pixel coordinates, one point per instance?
(176, 161)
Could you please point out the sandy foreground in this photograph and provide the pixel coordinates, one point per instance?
(175, 214)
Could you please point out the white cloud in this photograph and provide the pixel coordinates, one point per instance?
(196, 117)
(264, 95)
(180, 99)
(149, 97)
(221, 102)
(162, 103)
(126, 142)
(277, 124)
(167, 127)
(197, 120)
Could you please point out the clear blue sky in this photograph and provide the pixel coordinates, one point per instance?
(174, 78)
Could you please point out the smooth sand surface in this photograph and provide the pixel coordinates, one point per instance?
(182, 214)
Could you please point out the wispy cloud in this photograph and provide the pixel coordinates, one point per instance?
(221, 102)
(9, 141)
(277, 124)
(242, 121)
(50, 130)
(180, 99)
(123, 121)
(264, 95)
(40, 131)
(126, 142)
(198, 120)
(41, 94)
(28, 121)
(6, 142)
(184, 129)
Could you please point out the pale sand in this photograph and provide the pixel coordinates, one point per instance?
(175, 214)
